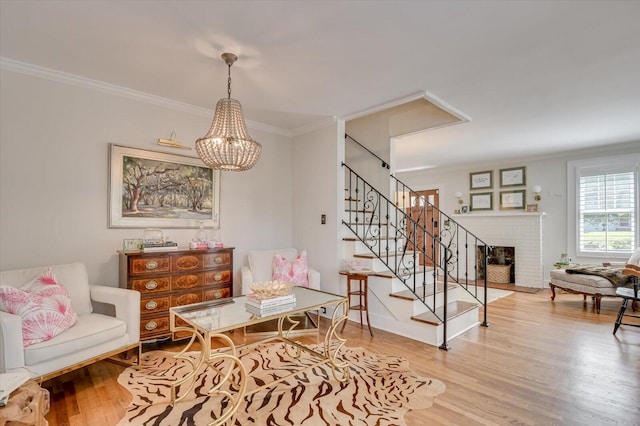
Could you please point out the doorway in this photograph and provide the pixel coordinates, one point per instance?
(422, 212)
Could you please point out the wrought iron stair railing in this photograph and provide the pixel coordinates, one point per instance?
(455, 237)
(391, 235)
(453, 251)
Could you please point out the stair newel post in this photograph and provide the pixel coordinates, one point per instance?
(445, 344)
(485, 323)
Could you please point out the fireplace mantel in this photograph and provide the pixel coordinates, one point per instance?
(499, 214)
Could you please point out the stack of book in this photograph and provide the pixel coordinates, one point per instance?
(270, 306)
(153, 247)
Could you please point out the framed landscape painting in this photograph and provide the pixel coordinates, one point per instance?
(149, 189)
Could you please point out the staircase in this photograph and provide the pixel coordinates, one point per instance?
(430, 301)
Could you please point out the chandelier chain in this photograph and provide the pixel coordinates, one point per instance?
(229, 83)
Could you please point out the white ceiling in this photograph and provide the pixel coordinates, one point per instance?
(534, 77)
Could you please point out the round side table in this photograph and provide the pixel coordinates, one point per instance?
(361, 291)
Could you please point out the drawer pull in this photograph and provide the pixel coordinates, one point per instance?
(218, 276)
(151, 285)
(151, 305)
(152, 264)
(151, 325)
(218, 259)
(217, 294)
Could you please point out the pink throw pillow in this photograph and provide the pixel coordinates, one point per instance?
(43, 304)
(296, 272)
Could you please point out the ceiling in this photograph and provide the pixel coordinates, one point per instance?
(532, 77)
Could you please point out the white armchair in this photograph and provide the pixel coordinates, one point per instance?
(93, 336)
(261, 268)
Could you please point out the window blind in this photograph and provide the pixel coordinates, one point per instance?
(607, 217)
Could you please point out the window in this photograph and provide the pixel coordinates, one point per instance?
(606, 212)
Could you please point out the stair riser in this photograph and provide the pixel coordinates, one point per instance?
(425, 333)
(399, 306)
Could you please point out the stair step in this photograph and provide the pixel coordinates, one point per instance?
(368, 239)
(390, 275)
(454, 309)
(367, 224)
(359, 211)
(391, 254)
(408, 294)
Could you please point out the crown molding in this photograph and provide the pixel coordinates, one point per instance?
(320, 124)
(112, 89)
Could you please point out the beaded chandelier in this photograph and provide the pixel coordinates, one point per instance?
(227, 145)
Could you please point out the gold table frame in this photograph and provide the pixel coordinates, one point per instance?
(207, 320)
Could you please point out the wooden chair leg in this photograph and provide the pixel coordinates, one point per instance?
(620, 315)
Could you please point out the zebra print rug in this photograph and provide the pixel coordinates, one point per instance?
(381, 390)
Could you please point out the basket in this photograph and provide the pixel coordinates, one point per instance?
(500, 274)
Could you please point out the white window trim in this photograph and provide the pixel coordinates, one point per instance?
(573, 222)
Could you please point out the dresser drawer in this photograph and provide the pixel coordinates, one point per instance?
(151, 285)
(186, 281)
(186, 262)
(217, 277)
(154, 305)
(217, 259)
(186, 298)
(175, 278)
(151, 326)
(217, 293)
(150, 265)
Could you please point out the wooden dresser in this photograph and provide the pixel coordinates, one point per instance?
(175, 278)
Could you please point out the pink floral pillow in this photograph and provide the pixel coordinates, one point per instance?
(43, 304)
(296, 272)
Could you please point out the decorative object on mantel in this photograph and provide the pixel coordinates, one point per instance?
(512, 200)
(482, 201)
(532, 208)
(481, 180)
(514, 176)
(172, 143)
(227, 145)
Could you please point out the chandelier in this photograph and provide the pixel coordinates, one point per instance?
(227, 145)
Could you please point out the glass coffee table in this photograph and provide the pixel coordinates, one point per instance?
(211, 320)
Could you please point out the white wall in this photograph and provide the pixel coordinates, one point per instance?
(318, 188)
(548, 172)
(54, 141)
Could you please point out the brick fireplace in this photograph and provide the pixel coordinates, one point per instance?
(522, 231)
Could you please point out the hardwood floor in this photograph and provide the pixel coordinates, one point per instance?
(539, 363)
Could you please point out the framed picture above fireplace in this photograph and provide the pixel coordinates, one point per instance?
(482, 201)
(515, 176)
(512, 200)
(481, 180)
